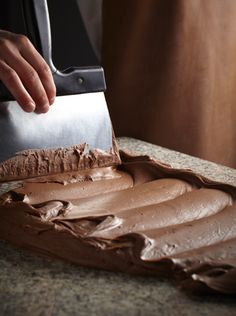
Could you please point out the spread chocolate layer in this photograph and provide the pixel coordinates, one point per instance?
(142, 217)
(41, 162)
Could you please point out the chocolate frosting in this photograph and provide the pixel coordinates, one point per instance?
(142, 217)
(41, 162)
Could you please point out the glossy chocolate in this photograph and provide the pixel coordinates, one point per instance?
(142, 217)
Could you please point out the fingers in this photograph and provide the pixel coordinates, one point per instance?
(11, 80)
(25, 73)
(30, 79)
(32, 56)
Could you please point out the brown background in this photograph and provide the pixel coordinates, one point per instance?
(171, 73)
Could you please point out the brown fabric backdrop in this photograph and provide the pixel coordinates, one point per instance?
(171, 73)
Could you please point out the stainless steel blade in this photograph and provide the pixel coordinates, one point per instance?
(71, 120)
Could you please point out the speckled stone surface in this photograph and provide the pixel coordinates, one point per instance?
(30, 285)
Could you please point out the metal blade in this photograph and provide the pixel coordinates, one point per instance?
(71, 120)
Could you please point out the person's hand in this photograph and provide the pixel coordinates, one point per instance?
(25, 73)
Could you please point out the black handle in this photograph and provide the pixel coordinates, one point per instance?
(70, 81)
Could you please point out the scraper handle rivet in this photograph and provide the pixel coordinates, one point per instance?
(80, 80)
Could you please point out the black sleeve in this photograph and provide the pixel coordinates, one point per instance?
(11, 17)
(70, 43)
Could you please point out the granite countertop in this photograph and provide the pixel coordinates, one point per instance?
(30, 285)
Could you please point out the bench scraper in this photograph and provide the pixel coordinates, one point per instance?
(79, 114)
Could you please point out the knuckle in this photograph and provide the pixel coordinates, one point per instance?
(44, 69)
(4, 44)
(31, 75)
(10, 75)
(22, 40)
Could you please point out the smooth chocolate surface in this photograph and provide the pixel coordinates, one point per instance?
(142, 217)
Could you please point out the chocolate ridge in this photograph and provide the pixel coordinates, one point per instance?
(44, 162)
